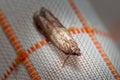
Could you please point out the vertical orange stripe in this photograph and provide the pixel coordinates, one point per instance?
(73, 6)
(19, 49)
(106, 59)
(91, 34)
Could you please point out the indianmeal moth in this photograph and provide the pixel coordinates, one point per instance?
(52, 28)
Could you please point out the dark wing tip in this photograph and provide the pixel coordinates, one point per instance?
(36, 15)
(37, 20)
(42, 11)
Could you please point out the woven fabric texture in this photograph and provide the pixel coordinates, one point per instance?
(47, 60)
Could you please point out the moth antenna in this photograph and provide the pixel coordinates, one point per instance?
(65, 60)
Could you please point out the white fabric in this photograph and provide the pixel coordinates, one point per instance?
(48, 60)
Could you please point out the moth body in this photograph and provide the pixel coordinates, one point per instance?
(51, 27)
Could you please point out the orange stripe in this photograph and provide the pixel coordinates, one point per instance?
(14, 41)
(106, 59)
(10, 69)
(98, 46)
(73, 30)
(102, 33)
(8, 31)
(73, 6)
(31, 70)
(37, 45)
(44, 41)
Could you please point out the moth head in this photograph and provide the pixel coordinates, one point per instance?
(78, 52)
(75, 51)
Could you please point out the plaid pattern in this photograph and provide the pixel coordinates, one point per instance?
(47, 60)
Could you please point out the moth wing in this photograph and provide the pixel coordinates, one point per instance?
(37, 22)
(41, 23)
(50, 17)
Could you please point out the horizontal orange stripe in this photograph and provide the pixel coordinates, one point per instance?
(42, 42)
(102, 33)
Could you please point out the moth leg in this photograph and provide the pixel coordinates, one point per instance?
(65, 60)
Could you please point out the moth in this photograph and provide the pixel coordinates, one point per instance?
(52, 28)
